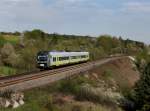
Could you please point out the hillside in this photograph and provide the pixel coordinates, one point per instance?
(123, 71)
(16, 56)
(100, 89)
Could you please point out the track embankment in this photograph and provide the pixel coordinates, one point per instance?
(32, 80)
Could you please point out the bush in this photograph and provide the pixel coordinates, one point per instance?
(142, 91)
(98, 95)
(2, 41)
(8, 55)
(69, 86)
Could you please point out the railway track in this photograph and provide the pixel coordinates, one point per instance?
(27, 81)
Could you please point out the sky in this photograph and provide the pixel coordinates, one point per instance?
(126, 18)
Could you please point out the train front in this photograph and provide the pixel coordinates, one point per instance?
(42, 59)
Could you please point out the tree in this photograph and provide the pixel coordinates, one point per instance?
(2, 40)
(17, 33)
(8, 55)
(142, 59)
(35, 34)
(109, 43)
(142, 91)
(105, 42)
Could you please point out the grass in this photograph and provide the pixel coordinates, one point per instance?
(5, 71)
(11, 38)
(41, 99)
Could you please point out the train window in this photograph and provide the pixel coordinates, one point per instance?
(67, 58)
(83, 56)
(74, 57)
(63, 58)
(54, 59)
(59, 58)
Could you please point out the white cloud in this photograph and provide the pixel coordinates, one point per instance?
(25, 11)
(136, 7)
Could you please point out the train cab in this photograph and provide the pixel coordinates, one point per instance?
(42, 59)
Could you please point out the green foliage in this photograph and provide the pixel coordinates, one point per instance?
(13, 39)
(143, 55)
(8, 55)
(24, 55)
(35, 34)
(142, 59)
(105, 41)
(109, 44)
(2, 41)
(142, 91)
(5, 70)
(72, 85)
(69, 86)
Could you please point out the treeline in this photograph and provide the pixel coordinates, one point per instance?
(22, 55)
(10, 33)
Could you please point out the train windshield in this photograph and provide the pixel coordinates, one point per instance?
(42, 56)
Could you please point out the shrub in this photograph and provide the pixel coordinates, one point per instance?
(77, 108)
(142, 91)
(2, 41)
(69, 86)
(50, 106)
(8, 55)
(98, 95)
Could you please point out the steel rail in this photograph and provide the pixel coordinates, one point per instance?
(36, 76)
(5, 80)
(14, 80)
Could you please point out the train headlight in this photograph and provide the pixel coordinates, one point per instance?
(42, 65)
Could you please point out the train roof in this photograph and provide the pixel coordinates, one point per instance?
(68, 53)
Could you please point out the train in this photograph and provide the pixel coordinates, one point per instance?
(51, 59)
